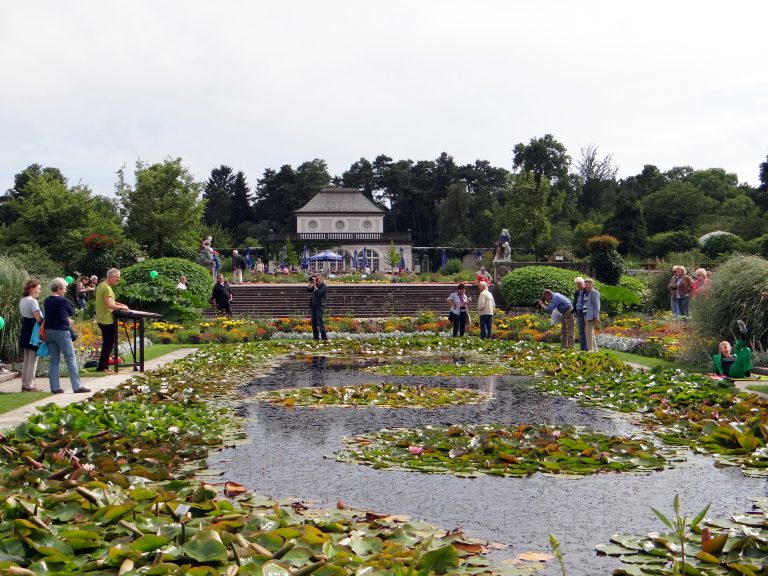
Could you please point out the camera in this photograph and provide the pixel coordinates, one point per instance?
(311, 279)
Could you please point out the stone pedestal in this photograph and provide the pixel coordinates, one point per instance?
(500, 269)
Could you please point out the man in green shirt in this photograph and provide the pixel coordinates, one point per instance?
(105, 307)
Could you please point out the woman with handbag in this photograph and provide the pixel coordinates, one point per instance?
(458, 301)
(58, 336)
(30, 316)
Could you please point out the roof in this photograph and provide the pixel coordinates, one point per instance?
(339, 201)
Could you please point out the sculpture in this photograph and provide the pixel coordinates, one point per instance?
(503, 250)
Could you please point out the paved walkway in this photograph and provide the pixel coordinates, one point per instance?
(94, 383)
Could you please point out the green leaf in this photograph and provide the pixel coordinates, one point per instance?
(439, 560)
(206, 550)
(149, 542)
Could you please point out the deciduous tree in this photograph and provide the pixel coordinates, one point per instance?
(163, 205)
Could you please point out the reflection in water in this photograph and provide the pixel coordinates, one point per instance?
(286, 459)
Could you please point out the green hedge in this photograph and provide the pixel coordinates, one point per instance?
(199, 280)
(523, 287)
(12, 280)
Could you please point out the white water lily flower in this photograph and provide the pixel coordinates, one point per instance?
(174, 429)
(89, 467)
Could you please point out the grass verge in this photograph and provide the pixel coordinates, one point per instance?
(653, 362)
(11, 401)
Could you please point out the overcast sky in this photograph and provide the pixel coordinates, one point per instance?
(89, 86)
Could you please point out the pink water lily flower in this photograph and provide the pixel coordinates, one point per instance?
(415, 450)
(556, 433)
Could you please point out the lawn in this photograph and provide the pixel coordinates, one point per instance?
(649, 362)
(12, 401)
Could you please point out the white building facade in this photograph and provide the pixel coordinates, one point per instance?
(348, 223)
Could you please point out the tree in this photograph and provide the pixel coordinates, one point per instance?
(8, 214)
(394, 256)
(628, 225)
(650, 180)
(677, 206)
(544, 157)
(163, 205)
(453, 214)
(760, 194)
(525, 212)
(361, 175)
(57, 218)
(241, 211)
(598, 178)
(715, 183)
(218, 197)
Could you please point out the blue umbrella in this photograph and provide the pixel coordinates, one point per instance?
(354, 260)
(326, 256)
(402, 259)
(444, 258)
(305, 258)
(248, 256)
(365, 258)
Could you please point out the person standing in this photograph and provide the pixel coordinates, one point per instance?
(486, 306)
(579, 309)
(680, 287)
(701, 284)
(82, 292)
(182, 285)
(317, 306)
(105, 317)
(58, 336)
(238, 265)
(222, 295)
(459, 314)
(30, 315)
(205, 258)
(592, 314)
(551, 301)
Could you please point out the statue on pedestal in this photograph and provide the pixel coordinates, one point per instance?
(503, 250)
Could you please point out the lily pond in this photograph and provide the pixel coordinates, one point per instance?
(390, 457)
(303, 452)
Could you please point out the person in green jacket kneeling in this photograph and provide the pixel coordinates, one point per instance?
(734, 363)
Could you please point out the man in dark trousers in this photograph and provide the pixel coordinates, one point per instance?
(222, 295)
(317, 306)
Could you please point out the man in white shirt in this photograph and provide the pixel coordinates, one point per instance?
(485, 309)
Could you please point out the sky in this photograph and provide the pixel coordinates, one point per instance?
(90, 86)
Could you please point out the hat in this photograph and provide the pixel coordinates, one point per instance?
(578, 279)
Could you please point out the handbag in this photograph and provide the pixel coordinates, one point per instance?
(451, 316)
(557, 317)
(41, 331)
(42, 350)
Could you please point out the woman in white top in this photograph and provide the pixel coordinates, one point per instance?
(29, 308)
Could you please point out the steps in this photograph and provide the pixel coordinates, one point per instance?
(356, 300)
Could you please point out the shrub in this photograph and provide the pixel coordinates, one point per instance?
(161, 296)
(12, 280)
(607, 261)
(734, 294)
(721, 244)
(453, 266)
(659, 245)
(96, 262)
(35, 261)
(616, 299)
(199, 281)
(523, 287)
